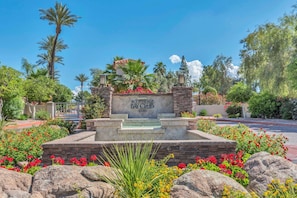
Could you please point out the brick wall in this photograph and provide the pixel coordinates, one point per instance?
(106, 94)
(182, 99)
(183, 151)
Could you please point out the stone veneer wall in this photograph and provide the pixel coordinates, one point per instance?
(184, 151)
(182, 99)
(106, 94)
(148, 105)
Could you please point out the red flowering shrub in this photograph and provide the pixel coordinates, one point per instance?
(230, 165)
(137, 90)
(182, 165)
(246, 139)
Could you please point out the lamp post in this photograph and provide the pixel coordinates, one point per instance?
(181, 79)
(102, 80)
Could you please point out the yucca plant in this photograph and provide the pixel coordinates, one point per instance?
(134, 178)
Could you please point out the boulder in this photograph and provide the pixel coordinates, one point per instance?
(263, 167)
(14, 184)
(203, 184)
(68, 182)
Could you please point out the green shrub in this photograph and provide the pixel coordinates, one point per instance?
(217, 115)
(294, 110)
(239, 93)
(210, 99)
(264, 105)
(12, 109)
(234, 110)
(209, 89)
(247, 140)
(286, 110)
(42, 115)
(20, 145)
(93, 108)
(134, 178)
(188, 114)
(68, 124)
(203, 112)
(23, 117)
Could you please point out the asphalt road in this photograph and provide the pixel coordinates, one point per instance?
(288, 131)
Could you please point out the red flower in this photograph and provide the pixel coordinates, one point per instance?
(212, 159)
(93, 158)
(75, 161)
(182, 165)
(30, 157)
(52, 157)
(222, 166)
(106, 164)
(59, 160)
(10, 159)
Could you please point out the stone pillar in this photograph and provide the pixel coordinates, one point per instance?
(106, 94)
(182, 99)
(50, 108)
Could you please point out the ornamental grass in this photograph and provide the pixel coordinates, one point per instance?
(137, 173)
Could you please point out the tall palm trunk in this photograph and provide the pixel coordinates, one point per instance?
(53, 54)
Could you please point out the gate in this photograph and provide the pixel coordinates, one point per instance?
(68, 110)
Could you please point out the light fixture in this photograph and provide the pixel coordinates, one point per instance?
(102, 80)
(181, 79)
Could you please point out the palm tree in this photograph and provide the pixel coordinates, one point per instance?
(59, 16)
(47, 44)
(28, 67)
(32, 71)
(81, 78)
(160, 69)
(110, 71)
(160, 76)
(135, 75)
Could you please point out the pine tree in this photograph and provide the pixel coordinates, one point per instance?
(185, 71)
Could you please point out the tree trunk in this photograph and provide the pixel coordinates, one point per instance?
(52, 60)
(1, 105)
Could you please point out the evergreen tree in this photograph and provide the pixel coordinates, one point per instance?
(185, 71)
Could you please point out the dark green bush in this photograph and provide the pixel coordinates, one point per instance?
(23, 117)
(203, 112)
(12, 108)
(68, 124)
(239, 93)
(286, 109)
(42, 115)
(234, 110)
(264, 105)
(294, 111)
(93, 108)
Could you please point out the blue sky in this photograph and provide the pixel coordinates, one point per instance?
(151, 30)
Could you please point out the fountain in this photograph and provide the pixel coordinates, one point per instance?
(143, 118)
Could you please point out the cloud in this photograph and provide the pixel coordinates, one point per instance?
(233, 71)
(195, 67)
(175, 59)
(76, 90)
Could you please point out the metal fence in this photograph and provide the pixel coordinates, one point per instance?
(68, 110)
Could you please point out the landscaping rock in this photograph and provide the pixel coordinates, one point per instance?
(12, 183)
(67, 181)
(203, 184)
(17, 194)
(263, 167)
(97, 173)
